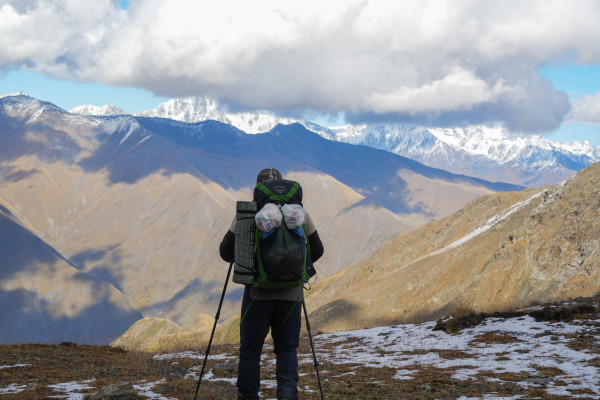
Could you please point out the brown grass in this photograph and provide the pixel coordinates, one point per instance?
(56, 364)
(52, 364)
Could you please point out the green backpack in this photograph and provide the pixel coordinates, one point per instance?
(276, 259)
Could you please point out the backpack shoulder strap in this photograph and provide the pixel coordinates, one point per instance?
(284, 197)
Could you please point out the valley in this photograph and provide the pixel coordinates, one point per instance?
(141, 203)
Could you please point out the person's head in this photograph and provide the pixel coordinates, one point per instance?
(268, 174)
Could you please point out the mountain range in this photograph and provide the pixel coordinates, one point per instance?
(487, 152)
(141, 204)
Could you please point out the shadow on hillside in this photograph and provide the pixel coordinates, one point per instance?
(216, 152)
(198, 292)
(38, 139)
(6, 211)
(104, 272)
(23, 251)
(330, 313)
(209, 151)
(27, 318)
(81, 259)
(20, 174)
(132, 148)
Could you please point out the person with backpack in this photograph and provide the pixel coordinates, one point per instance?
(273, 295)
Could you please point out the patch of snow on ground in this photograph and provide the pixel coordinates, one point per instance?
(490, 397)
(146, 389)
(407, 345)
(210, 376)
(484, 228)
(527, 348)
(12, 388)
(70, 390)
(14, 366)
(192, 355)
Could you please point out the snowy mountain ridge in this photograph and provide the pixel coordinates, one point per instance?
(476, 139)
(488, 152)
(104, 111)
(20, 93)
(197, 109)
(493, 142)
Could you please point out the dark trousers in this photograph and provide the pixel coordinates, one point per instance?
(260, 315)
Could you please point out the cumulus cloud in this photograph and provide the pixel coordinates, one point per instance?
(451, 61)
(586, 108)
(460, 90)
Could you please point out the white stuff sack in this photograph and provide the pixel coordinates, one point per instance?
(268, 218)
(293, 214)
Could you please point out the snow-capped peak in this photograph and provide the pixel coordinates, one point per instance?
(196, 109)
(488, 152)
(104, 111)
(19, 93)
(187, 109)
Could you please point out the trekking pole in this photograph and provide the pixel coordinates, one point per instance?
(313, 348)
(213, 329)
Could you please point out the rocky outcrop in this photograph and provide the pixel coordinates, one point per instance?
(116, 391)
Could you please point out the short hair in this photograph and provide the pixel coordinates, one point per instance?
(268, 174)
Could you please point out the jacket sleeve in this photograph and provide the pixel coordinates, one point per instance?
(226, 247)
(316, 246)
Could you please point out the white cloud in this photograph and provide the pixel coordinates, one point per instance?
(459, 90)
(380, 58)
(586, 108)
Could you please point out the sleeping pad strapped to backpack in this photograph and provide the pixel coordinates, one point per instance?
(281, 257)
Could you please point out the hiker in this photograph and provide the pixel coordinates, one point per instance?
(277, 309)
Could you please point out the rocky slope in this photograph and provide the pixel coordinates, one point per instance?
(499, 252)
(142, 203)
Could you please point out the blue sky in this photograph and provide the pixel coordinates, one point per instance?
(528, 65)
(69, 94)
(575, 80)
